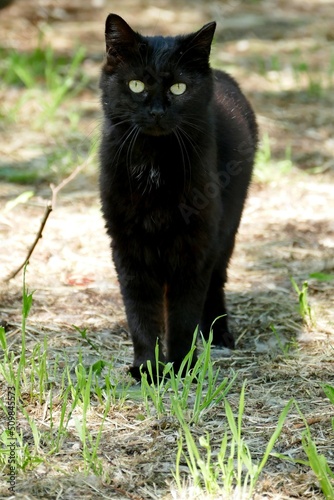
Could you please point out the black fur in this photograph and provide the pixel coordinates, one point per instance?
(175, 170)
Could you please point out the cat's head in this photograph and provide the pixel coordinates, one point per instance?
(156, 84)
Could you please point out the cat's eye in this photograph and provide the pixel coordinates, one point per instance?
(136, 86)
(178, 88)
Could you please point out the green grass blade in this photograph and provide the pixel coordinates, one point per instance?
(322, 276)
(274, 437)
(231, 420)
(319, 465)
(329, 391)
(3, 340)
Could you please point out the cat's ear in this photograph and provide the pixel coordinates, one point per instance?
(198, 44)
(120, 38)
(202, 39)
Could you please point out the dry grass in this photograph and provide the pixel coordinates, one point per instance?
(287, 230)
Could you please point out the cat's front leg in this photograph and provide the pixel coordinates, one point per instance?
(143, 299)
(184, 308)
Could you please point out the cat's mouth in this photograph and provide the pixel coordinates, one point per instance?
(156, 131)
(155, 126)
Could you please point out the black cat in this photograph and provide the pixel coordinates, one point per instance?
(176, 157)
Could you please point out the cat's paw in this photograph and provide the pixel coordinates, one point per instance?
(134, 371)
(225, 339)
(138, 371)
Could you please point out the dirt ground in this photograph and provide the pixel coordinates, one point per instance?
(287, 231)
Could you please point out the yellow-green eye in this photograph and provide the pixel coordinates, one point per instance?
(136, 86)
(178, 88)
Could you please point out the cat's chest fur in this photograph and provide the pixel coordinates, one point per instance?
(150, 202)
(148, 190)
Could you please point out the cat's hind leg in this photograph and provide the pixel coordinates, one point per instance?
(215, 314)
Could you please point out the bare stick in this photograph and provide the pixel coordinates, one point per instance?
(32, 248)
(55, 189)
(50, 206)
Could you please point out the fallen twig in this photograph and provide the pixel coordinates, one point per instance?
(55, 189)
(33, 246)
(50, 206)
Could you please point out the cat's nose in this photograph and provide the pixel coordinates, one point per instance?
(157, 112)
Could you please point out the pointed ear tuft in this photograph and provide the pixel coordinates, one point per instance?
(202, 39)
(196, 47)
(120, 38)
